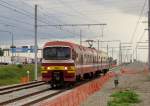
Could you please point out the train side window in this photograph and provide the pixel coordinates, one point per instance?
(101, 59)
(90, 59)
(81, 59)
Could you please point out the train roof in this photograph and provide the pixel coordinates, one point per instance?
(72, 45)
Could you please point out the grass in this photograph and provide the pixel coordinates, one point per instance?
(123, 98)
(11, 74)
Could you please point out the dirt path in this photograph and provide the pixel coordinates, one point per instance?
(139, 82)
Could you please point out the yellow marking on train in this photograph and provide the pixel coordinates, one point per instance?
(70, 71)
(55, 68)
(43, 71)
(71, 68)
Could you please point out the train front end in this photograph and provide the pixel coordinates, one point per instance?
(57, 66)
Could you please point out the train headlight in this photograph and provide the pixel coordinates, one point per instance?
(48, 68)
(66, 68)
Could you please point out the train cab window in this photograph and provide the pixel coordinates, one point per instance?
(56, 53)
(74, 55)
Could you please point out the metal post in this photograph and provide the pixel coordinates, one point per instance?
(12, 39)
(136, 53)
(149, 35)
(112, 52)
(35, 44)
(80, 37)
(28, 76)
(133, 54)
(12, 46)
(98, 45)
(107, 50)
(120, 54)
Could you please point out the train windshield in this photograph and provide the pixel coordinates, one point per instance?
(56, 53)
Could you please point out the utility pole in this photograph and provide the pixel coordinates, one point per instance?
(120, 54)
(102, 34)
(98, 45)
(35, 46)
(80, 37)
(12, 45)
(149, 34)
(12, 39)
(136, 53)
(107, 49)
(112, 52)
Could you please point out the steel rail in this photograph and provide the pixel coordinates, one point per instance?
(24, 87)
(20, 85)
(22, 97)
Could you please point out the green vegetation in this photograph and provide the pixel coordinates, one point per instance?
(116, 68)
(11, 74)
(1, 52)
(123, 98)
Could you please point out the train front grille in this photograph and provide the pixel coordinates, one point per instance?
(57, 76)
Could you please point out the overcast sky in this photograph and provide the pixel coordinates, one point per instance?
(121, 17)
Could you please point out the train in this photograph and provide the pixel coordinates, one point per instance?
(65, 63)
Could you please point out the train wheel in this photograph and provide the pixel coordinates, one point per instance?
(71, 85)
(52, 86)
(78, 78)
(86, 76)
(91, 75)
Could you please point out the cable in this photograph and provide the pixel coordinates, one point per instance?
(59, 21)
(141, 37)
(16, 20)
(81, 14)
(139, 18)
(15, 7)
(16, 10)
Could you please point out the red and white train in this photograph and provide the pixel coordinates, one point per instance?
(65, 63)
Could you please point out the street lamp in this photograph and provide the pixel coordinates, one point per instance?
(12, 41)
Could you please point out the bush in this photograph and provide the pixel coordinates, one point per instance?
(19, 65)
(123, 98)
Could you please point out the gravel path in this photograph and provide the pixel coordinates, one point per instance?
(139, 82)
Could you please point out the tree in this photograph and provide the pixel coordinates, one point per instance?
(1, 52)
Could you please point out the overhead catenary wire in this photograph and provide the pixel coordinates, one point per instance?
(75, 10)
(15, 20)
(57, 27)
(137, 24)
(23, 10)
(18, 11)
(81, 14)
(139, 18)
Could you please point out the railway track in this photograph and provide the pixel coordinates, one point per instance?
(35, 97)
(31, 98)
(7, 90)
(13, 100)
